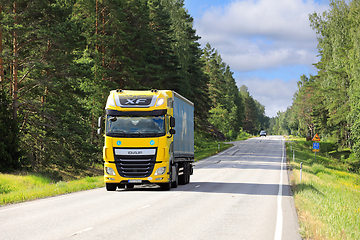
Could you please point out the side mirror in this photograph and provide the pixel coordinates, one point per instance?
(99, 126)
(172, 131)
(172, 122)
(99, 122)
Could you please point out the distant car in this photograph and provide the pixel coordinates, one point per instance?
(262, 133)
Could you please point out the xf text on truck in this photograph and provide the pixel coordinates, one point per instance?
(143, 145)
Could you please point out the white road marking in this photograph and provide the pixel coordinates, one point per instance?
(144, 207)
(197, 186)
(279, 218)
(177, 194)
(79, 232)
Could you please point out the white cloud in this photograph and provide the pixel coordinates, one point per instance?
(252, 34)
(275, 18)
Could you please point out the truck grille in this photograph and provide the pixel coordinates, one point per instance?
(135, 166)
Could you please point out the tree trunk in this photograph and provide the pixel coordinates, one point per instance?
(15, 68)
(1, 58)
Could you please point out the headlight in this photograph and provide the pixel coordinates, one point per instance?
(160, 102)
(110, 171)
(160, 171)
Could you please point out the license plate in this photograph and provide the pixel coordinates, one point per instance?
(135, 181)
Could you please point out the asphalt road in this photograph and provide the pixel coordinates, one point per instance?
(242, 193)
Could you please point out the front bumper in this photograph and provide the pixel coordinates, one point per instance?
(164, 178)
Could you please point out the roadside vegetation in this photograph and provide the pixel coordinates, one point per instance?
(21, 188)
(328, 197)
(24, 186)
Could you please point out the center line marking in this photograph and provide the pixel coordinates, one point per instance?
(76, 233)
(144, 207)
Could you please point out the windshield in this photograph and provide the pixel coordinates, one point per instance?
(126, 126)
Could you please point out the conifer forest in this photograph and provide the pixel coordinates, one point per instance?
(60, 58)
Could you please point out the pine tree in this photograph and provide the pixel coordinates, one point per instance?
(251, 122)
(9, 140)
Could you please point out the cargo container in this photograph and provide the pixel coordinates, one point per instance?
(149, 139)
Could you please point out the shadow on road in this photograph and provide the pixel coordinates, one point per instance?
(221, 187)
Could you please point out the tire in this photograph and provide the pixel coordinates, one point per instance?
(165, 186)
(111, 186)
(175, 183)
(183, 176)
(188, 173)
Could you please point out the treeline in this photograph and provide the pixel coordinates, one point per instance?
(329, 102)
(60, 58)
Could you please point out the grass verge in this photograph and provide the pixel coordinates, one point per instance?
(21, 188)
(328, 197)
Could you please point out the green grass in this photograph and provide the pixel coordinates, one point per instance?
(328, 197)
(20, 188)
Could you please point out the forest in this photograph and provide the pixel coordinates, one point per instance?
(60, 58)
(329, 103)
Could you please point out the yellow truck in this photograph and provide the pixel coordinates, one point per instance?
(143, 145)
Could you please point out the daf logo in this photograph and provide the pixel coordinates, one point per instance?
(135, 101)
(131, 101)
(134, 152)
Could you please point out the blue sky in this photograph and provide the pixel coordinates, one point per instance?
(268, 44)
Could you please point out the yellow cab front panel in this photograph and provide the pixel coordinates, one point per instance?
(131, 154)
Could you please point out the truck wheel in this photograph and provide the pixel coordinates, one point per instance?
(182, 177)
(188, 173)
(185, 177)
(111, 186)
(165, 186)
(176, 182)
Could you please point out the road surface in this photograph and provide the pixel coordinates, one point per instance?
(241, 193)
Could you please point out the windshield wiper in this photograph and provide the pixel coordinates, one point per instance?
(117, 134)
(135, 134)
(150, 134)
